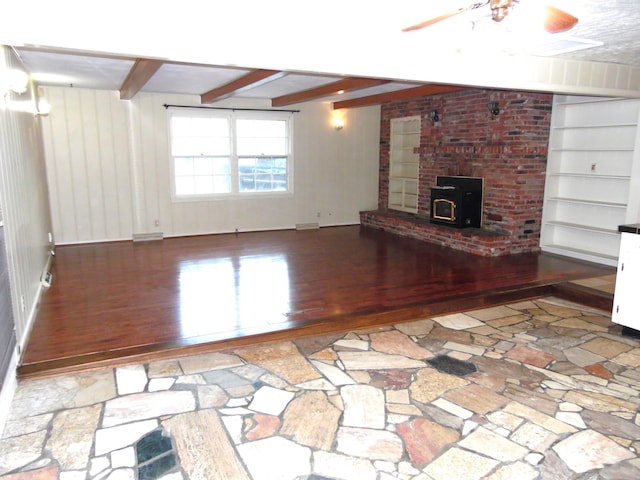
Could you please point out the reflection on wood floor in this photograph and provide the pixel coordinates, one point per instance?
(120, 302)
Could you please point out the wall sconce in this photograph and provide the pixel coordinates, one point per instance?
(15, 81)
(337, 119)
(433, 116)
(494, 109)
(42, 105)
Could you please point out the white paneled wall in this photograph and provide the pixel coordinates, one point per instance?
(23, 196)
(87, 157)
(108, 164)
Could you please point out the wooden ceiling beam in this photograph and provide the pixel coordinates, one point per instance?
(421, 91)
(341, 86)
(250, 80)
(141, 72)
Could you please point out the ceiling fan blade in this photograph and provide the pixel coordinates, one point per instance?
(444, 16)
(556, 20)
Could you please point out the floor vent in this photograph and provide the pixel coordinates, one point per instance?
(147, 237)
(307, 226)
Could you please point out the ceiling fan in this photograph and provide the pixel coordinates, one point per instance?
(555, 20)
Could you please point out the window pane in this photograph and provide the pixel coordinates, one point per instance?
(183, 166)
(263, 182)
(246, 166)
(221, 184)
(262, 146)
(191, 146)
(280, 164)
(262, 174)
(261, 137)
(261, 128)
(265, 165)
(203, 166)
(202, 175)
(203, 184)
(192, 136)
(180, 126)
(185, 186)
(221, 166)
(279, 183)
(185, 126)
(247, 183)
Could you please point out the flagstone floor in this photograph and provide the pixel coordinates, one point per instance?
(532, 390)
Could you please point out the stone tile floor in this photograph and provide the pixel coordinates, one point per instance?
(532, 390)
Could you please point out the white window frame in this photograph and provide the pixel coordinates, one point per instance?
(232, 115)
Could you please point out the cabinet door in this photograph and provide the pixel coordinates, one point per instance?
(626, 300)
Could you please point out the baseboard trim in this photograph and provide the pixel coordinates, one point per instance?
(22, 341)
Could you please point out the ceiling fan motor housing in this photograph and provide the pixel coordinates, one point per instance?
(500, 9)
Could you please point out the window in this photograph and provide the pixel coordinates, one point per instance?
(224, 153)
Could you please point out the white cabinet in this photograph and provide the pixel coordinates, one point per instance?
(626, 303)
(404, 161)
(593, 174)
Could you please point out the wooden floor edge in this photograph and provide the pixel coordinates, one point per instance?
(150, 353)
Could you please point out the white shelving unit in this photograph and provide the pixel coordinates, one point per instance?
(593, 176)
(404, 164)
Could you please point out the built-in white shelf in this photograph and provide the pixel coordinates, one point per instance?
(404, 164)
(588, 202)
(593, 174)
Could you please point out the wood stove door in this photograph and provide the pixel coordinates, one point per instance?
(444, 209)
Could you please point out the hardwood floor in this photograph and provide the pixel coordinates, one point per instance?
(116, 303)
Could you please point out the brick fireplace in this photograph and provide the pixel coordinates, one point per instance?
(508, 150)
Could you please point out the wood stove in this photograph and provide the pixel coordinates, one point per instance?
(457, 201)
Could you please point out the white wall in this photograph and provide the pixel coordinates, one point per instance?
(27, 222)
(108, 167)
(24, 198)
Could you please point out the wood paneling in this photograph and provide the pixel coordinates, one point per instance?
(87, 159)
(120, 302)
(109, 170)
(23, 197)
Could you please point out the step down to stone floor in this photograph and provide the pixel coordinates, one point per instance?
(589, 297)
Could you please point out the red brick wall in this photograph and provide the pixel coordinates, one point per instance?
(508, 151)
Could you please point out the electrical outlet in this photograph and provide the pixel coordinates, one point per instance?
(23, 303)
(157, 223)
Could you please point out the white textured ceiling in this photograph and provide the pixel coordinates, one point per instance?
(331, 35)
